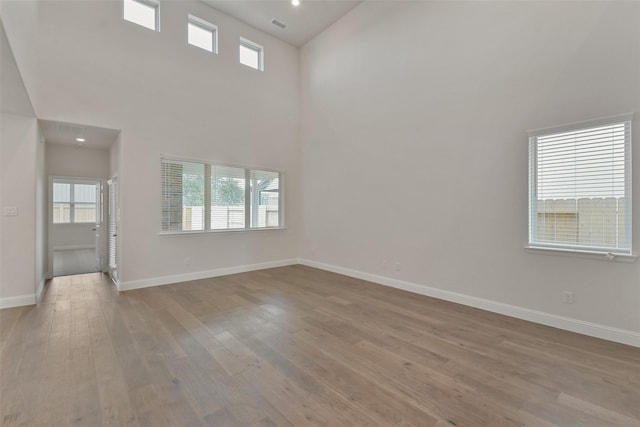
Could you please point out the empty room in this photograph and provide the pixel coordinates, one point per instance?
(319, 213)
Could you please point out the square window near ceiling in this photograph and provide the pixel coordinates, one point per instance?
(202, 34)
(143, 12)
(251, 54)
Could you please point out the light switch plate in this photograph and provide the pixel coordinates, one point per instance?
(11, 211)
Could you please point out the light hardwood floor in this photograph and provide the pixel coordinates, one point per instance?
(295, 346)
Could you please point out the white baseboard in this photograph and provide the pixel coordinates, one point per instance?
(43, 280)
(18, 301)
(574, 325)
(115, 281)
(198, 275)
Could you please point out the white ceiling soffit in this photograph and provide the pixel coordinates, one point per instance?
(66, 133)
(302, 22)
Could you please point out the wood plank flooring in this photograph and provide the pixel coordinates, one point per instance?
(296, 346)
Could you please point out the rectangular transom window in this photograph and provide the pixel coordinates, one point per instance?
(143, 12)
(207, 197)
(580, 186)
(251, 54)
(202, 34)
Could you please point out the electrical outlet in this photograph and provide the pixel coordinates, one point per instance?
(187, 261)
(385, 264)
(568, 297)
(397, 266)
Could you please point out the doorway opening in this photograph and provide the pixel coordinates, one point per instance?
(79, 160)
(77, 218)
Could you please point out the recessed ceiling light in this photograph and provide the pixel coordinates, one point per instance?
(80, 139)
(295, 2)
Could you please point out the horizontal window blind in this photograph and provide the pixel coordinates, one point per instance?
(203, 196)
(182, 196)
(580, 187)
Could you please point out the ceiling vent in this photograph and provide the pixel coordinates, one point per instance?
(279, 24)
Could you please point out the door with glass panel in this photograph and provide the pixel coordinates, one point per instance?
(76, 224)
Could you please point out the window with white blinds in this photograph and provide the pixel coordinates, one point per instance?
(580, 186)
(208, 197)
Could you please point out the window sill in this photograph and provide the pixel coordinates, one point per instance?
(206, 232)
(595, 255)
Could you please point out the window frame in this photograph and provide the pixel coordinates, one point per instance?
(204, 25)
(610, 253)
(259, 49)
(72, 203)
(248, 174)
(155, 4)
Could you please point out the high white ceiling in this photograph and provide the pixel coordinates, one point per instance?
(13, 96)
(66, 134)
(303, 22)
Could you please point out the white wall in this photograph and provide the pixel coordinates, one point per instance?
(114, 158)
(19, 18)
(69, 161)
(41, 216)
(19, 136)
(425, 106)
(22, 256)
(169, 98)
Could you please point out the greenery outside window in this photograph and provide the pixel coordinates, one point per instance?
(212, 197)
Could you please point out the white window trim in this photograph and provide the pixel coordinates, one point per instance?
(281, 200)
(153, 3)
(594, 253)
(53, 179)
(256, 47)
(205, 25)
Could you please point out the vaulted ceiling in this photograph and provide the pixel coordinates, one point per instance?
(303, 22)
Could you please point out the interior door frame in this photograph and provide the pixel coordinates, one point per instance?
(113, 269)
(102, 215)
